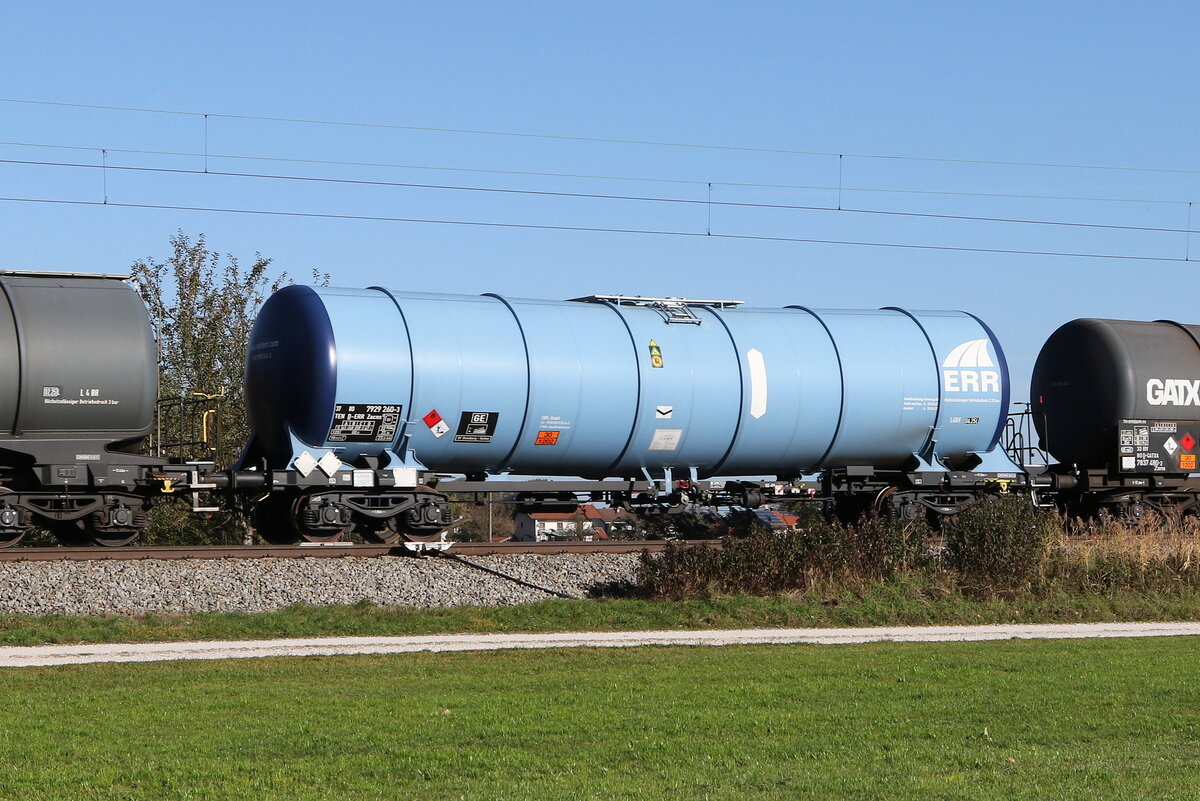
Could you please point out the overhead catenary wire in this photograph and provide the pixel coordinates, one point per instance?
(708, 200)
(610, 230)
(598, 139)
(597, 196)
(597, 177)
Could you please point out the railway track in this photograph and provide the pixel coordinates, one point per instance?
(331, 550)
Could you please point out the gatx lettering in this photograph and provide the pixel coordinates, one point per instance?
(1172, 392)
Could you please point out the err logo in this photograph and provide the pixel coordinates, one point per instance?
(1172, 392)
(962, 371)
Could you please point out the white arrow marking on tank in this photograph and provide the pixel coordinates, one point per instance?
(979, 356)
(972, 353)
(758, 383)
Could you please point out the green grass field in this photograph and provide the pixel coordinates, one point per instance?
(1104, 719)
(868, 604)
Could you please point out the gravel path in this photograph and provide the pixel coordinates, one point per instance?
(326, 646)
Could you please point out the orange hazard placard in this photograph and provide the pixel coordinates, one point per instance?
(551, 438)
(1187, 461)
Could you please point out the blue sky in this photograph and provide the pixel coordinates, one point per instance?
(944, 85)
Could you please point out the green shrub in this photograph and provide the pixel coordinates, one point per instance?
(998, 544)
(879, 547)
(767, 562)
(1000, 548)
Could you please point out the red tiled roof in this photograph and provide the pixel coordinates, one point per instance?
(554, 515)
(586, 512)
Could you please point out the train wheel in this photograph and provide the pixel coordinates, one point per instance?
(14, 523)
(310, 537)
(274, 520)
(115, 525)
(425, 520)
(420, 536)
(899, 506)
(112, 539)
(321, 520)
(885, 505)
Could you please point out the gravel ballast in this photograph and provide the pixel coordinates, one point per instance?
(107, 587)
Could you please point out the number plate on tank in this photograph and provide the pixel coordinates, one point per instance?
(364, 422)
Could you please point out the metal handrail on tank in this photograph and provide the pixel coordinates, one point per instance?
(1019, 431)
(187, 427)
(673, 310)
(638, 300)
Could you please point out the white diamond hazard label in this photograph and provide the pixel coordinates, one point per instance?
(1171, 445)
(436, 424)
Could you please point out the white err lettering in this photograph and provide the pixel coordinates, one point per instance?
(1172, 392)
(970, 380)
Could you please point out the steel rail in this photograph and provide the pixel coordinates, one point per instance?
(332, 550)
